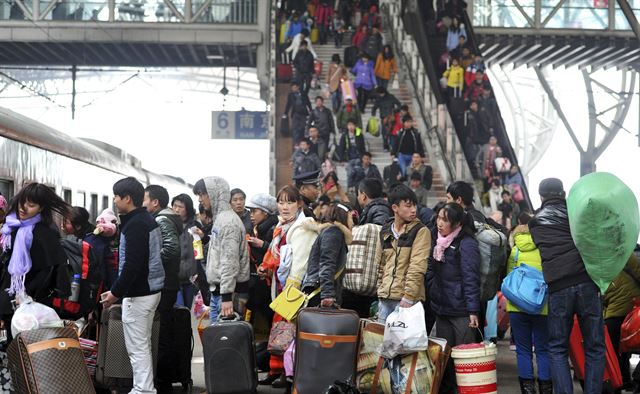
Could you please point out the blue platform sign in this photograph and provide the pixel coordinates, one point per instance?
(244, 125)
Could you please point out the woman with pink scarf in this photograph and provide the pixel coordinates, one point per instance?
(33, 261)
(453, 282)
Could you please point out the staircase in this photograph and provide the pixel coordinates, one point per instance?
(374, 144)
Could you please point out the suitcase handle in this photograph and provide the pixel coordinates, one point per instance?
(234, 317)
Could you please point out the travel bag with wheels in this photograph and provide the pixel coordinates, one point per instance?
(230, 357)
(114, 368)
(326, 348)
(176, 366)
(48, 361)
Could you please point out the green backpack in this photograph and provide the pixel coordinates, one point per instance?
(373, 126)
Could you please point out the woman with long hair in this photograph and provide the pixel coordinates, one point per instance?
(77, 223)
(386, 66)
(453, 279)
(285, 263)
(33, 260)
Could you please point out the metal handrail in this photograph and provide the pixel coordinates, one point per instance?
(440, 131)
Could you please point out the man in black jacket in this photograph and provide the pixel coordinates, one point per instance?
(409, 142)
(387, 103)
(571, 291)
(156, 200)
(299, 106)
(375, 209)
(141, 278)
(322, 118)
(303, 64)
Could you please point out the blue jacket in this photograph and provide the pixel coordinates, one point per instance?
(454, 285)
(140, 271)
(294, 29)
(365, 76)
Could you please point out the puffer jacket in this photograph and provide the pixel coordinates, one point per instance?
(140, 271)
(624, 288)
(377, 211)
(300, 238)
(527, 254)
(386, 104)
(562, 265)
(365, 76)
(328, 255)
(228, 260)
(454, 285)
(171, 229)
(188, 266)
(403, 262)
(385, 67)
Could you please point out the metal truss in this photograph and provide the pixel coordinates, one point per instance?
(606, 117)
(533, 125)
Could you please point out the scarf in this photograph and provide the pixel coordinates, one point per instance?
(20, 263)
(271, 259)
(443, 243)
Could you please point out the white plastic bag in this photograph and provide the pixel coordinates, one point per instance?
(31, 315)
(405, 332)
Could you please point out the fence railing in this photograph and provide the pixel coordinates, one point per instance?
(243, 12)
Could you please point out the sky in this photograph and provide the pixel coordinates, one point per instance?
(164, 118)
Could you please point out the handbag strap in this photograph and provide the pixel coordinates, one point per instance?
(317, 291)
(376, 376)
(412, 373)
(515, 258)
(409, 384)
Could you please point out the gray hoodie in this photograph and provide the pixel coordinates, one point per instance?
(228, 258)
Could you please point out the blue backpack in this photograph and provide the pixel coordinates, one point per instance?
(525, 288)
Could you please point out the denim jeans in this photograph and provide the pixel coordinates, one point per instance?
(385, 307)
(584, 300)
(186, 293)
(239, 305)
(526, 327)
(404, 161)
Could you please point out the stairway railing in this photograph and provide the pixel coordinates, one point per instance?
(440, 133)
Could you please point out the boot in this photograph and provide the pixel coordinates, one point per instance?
(527, 386)
(545, 386)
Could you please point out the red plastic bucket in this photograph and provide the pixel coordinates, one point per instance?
(475, 366)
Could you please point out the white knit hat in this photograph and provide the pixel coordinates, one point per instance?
(264, 202)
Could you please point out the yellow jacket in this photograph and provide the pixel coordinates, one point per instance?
(455, 77)
(403, 262)
(384, 68)
(527, 254)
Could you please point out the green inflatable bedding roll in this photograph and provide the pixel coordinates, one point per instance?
(604, 220)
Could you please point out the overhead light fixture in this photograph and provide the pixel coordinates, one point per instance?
(215, 57)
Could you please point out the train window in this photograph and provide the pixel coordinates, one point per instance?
(105, 202)
(6, 188)
(94, 207)
(66, 195)
(81, 199)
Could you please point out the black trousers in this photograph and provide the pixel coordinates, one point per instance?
(359, 303)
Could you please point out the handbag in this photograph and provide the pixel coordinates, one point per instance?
(502, 164)
(289, 302)
(630, 329)
(281, 336)
(525, 288)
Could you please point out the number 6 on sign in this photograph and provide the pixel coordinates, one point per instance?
(223, 125)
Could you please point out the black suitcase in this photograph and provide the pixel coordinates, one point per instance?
(350, 56)
(230, 358)
(175, 367)
(326, 348)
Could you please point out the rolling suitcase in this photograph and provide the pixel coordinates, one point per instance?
(176, 367)
(612, 374)
(230, 358)
(48, 361)
(326, 348)
(284, 72)
(114, 368)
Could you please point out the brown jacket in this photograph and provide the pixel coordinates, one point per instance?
(403, 262)
(335, 74)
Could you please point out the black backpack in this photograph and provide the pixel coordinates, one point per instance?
(80, 260)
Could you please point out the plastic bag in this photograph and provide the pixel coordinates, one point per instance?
(289, 359)
(405, 332)
(32, 315)
(604, 219)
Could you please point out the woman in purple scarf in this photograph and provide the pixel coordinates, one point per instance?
(33, 260)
